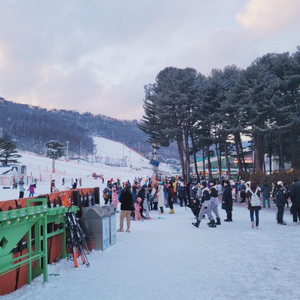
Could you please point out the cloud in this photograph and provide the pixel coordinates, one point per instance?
(269, 16)
(97, 55)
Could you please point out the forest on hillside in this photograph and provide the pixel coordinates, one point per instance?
(31, 127)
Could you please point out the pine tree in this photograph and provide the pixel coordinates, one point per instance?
(8, 152)
(54, 150)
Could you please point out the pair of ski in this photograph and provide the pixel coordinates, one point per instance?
(76, 240)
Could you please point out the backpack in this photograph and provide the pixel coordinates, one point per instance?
(255, 201)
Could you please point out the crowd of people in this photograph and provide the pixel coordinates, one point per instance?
(202, 197)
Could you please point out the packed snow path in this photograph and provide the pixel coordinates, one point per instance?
(171, 259)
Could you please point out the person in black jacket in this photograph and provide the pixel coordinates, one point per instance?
(126, 201)
(205, 207)
(280, 202)
(295, 198)
(243, 192)
(266, 192)
(227, 201)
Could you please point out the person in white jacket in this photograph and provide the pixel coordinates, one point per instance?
(161, 197)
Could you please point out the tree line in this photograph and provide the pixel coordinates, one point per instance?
(31, 127)
(203, 112)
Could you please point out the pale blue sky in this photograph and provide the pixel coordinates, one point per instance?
(97, 55)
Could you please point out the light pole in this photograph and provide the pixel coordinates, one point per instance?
(1, 130)
(155, 157)
(67, 142)
(94, 152)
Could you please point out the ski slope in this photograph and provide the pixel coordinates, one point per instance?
(40, 167)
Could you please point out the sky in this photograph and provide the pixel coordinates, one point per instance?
(97, 55)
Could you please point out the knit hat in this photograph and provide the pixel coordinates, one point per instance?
(279, 183)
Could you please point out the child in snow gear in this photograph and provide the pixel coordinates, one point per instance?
(137, 207)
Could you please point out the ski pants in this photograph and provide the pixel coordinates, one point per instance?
(214, 208)
(146, 208)
(280, 214)
(203, 211)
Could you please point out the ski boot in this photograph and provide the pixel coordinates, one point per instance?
(196, 224)
(212, 224)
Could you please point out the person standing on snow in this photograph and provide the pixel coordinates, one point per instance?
(31, 190)
(253, 209)
(205, 204)
(161, 197)
(115, 196)
(266, 192)
(227, 201)
(213, 193)
(280, 202)
(52, 186)
(22, 189)
(170, 197)
(126, 207)
(295, 198)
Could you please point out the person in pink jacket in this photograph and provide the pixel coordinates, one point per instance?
(115, 196)
(31, 190)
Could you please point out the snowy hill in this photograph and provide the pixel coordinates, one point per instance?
(109, 154)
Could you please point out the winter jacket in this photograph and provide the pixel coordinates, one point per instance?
(21, 187)
(214, 192)
(193, 192)
(142, 193)
(214, 195)
(295, 195)
(227, 199)
(114, 194)
(205, 201)
(170, 192)
(253, 187)
(266, 190)
(161, 196)
(126, 201)
(280, 198)
(134, 195)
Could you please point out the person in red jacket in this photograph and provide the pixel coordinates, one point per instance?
(171, 196)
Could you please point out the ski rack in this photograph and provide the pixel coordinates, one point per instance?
(16, 225)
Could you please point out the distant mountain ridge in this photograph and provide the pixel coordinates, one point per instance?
(32, 126)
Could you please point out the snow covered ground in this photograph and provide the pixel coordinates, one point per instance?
(171, 259)
(168, 258)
